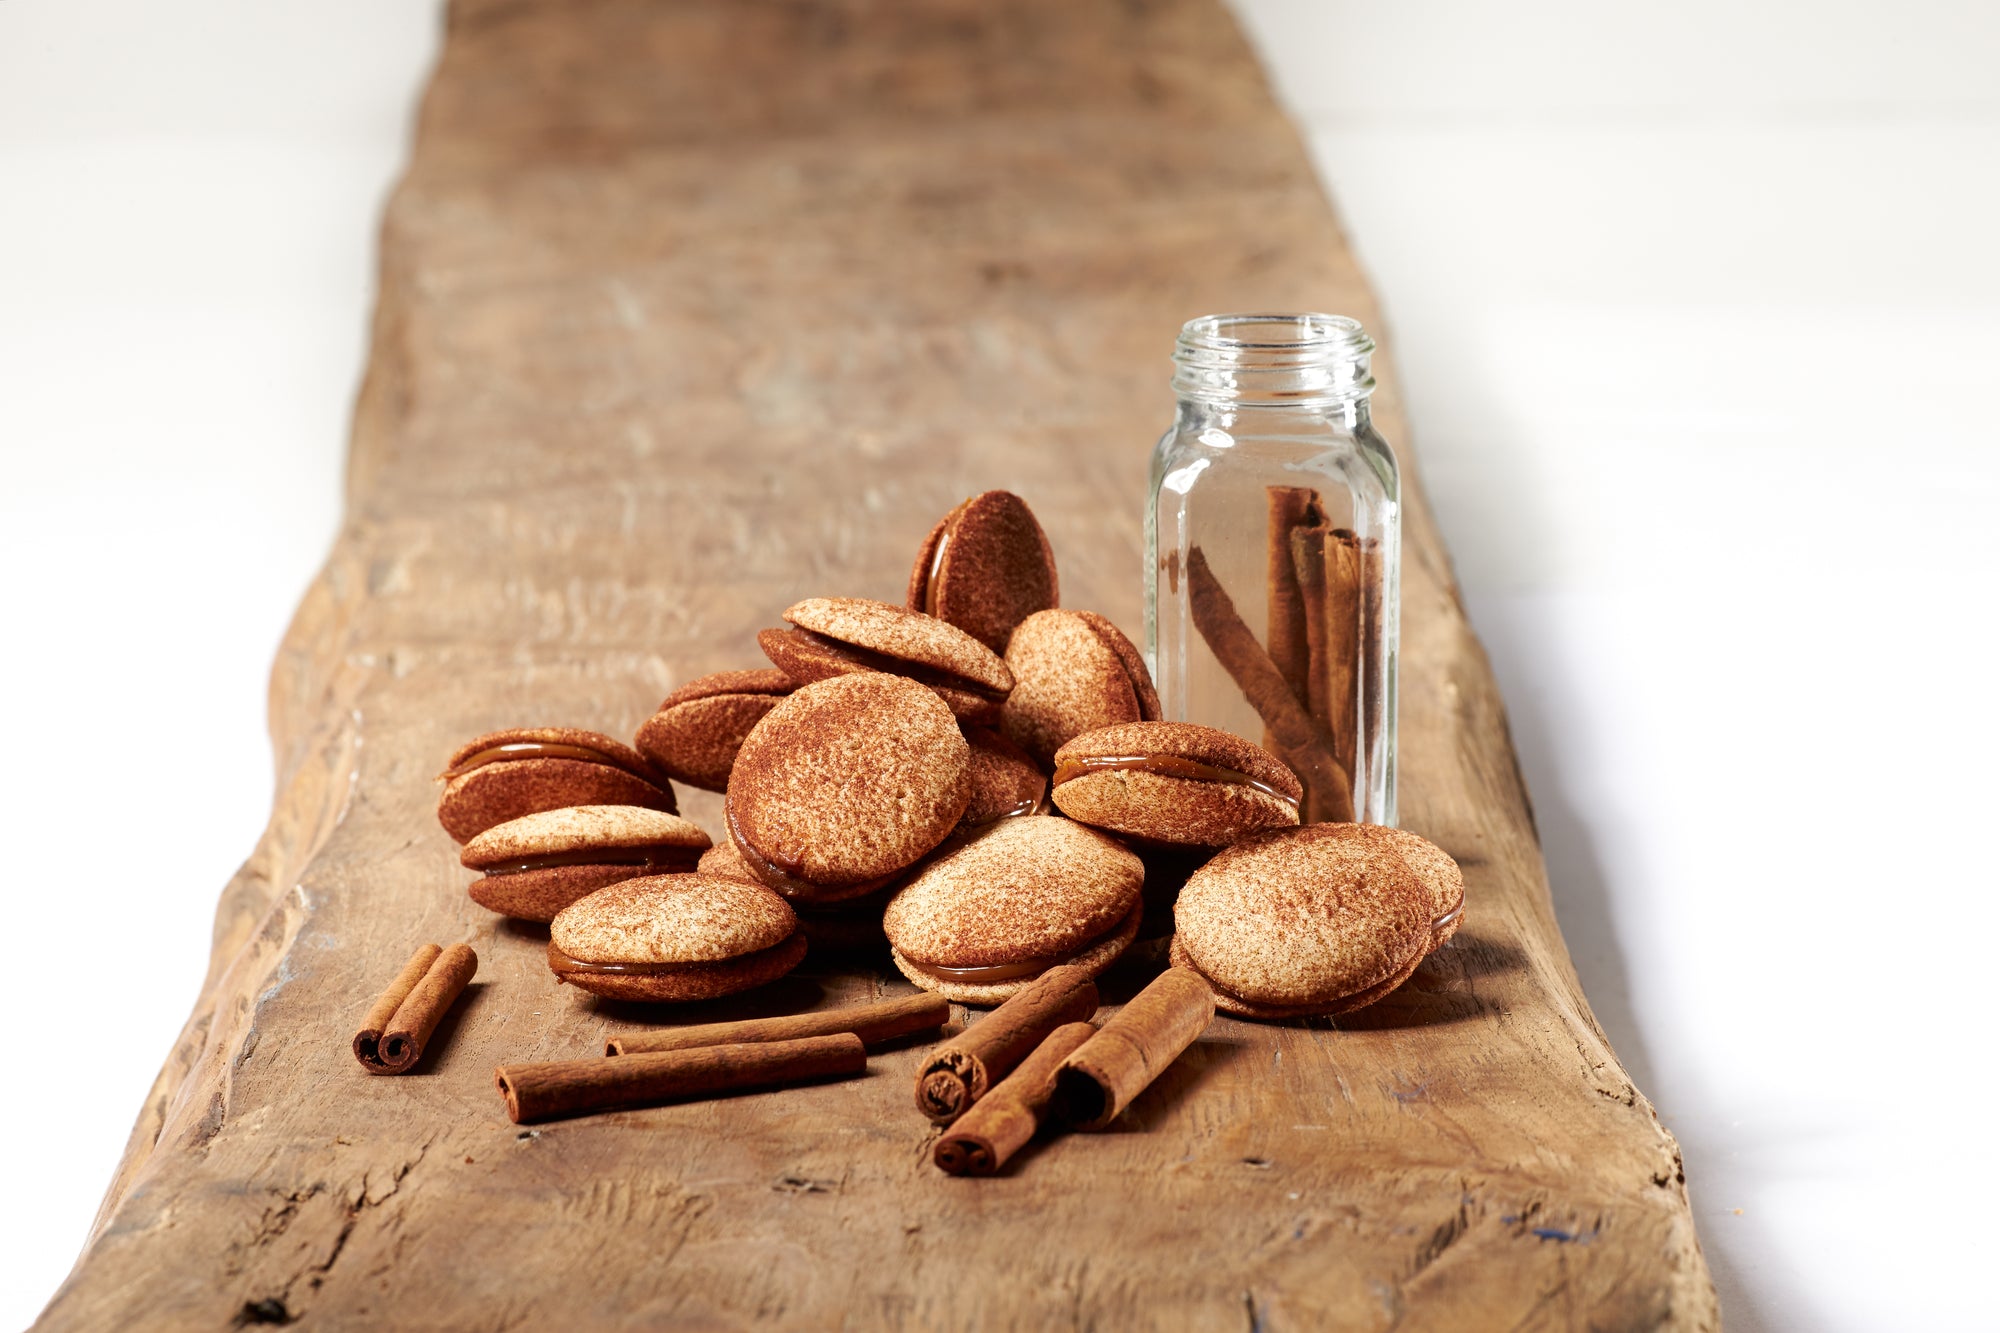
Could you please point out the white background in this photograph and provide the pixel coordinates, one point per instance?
(1699, 315)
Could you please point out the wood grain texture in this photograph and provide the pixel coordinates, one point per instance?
(693, 309)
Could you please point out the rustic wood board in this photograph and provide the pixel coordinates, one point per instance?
(692, 309)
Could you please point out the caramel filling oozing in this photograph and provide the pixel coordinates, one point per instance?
(563, 965)
(528, 750)
(651, 858)
(937, 558)
(1165, 766)
(1449, 917)
(1034, 805)
(1027, 967)
(789, 878)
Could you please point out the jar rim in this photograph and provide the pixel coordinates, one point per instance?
(1276, 331)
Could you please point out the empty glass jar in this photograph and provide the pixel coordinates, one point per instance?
(1272, 554)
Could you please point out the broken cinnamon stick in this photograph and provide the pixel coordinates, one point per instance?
(872, 1023)
(392, 1036)
(1294, 737)
(1102, 1076)
(553, 1089)
(980, 1141)
(961, 1070)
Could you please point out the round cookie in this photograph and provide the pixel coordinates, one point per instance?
(673, 938)
(506, 774)
(1174, 782)
(1308, 921)
(835, 636)
(536, 865)
(987, 916)
(845, 784)
(1074, 672)
(695, 733)
(1005, 781)
(985, 568)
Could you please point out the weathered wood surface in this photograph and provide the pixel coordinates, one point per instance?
(692, 309)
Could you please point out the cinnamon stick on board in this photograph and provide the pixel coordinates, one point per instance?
(980, 1141)
(1102, 1076)
(556, 1088)
(401, 1020)
(1295, 738)
(961, 1070)
(872, 1023)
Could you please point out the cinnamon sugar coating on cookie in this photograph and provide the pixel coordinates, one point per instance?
(1073, 673)
(695, 733)
(985, 567)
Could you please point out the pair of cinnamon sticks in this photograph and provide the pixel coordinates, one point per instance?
(1305, 682)
(1064, 1068)
(681, 1064)
(392, 1036)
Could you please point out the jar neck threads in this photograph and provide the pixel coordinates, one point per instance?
(1273, 361)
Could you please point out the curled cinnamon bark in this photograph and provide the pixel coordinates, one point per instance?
(980, 1141)
(1293, 734)
(1102, 1076)
(961, 1070)
(392, 1036)
(549, 1090)
(871, 1022)
(1290, 509)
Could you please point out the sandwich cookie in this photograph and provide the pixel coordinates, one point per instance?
(1073, 672)
(1310, 921)
(695, 734)
(506, 774)
(990, 915)
(1174, 782)
(845, 784)
(674, 938)
(839, 636)
(985, 568)
(851, 925)
(538, 864)
(1005, 781)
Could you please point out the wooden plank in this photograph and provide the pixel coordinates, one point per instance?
(692, 309)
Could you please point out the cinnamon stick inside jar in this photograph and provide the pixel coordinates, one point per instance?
(980, 1141)
(1293, 734)
(1288, 604)
(873, 1023)
(392, 1036)
(1101, 1077)
(557, 1088)
(1327, 563)
(961, 1070)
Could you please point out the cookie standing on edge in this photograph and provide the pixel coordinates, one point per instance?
(506, 774)
(536, 865)
(1174, 782)
(985, 568)
(847, 783)
(1074, 672)
(673, 938)
(1312, 921)
(837, 636)
(993, 913)
(695, 733)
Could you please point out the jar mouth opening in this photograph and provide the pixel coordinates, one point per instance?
(1276, 332)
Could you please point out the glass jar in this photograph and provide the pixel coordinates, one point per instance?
(1272, 553)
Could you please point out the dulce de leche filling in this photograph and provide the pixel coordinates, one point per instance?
(650, 858)
(526, 750)
(563, 965)
(1165, 766)
(1027, 967)
(937, 558)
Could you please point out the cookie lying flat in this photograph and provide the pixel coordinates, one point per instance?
(845, 784)
(674, 938)
(1074, 672)
(536, 865)
(985, 568)
(1174, 782)
(506, 774)
(694, 735)
(1311, 921)
(838, 636)
(1005, 781)
(990, 915)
